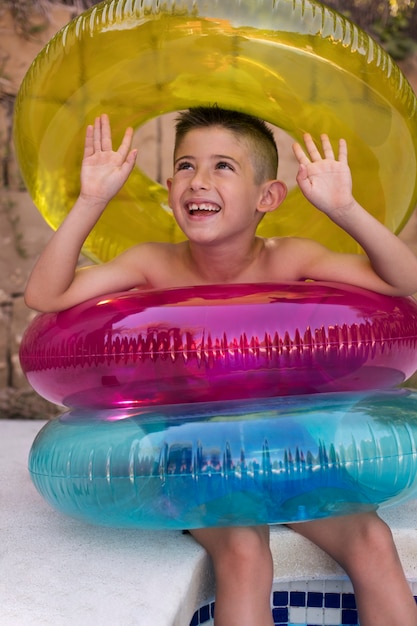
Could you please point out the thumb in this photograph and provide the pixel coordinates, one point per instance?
(130, 161)
(302, 176)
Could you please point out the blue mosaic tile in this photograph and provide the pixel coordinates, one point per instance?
(332, 600)
(297, 598)
(287, 604)
(204, 614)
(348, 601)
(349, 617)
(280, 598)
(314, 599)
(280, 616)
(196, 620)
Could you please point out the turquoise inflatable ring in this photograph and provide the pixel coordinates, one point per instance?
(230, 463)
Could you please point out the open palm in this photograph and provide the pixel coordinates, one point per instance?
(104, 170)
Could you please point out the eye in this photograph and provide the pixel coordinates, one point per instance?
(184, 165)
(224, 165)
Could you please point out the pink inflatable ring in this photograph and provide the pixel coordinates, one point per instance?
(224, 342)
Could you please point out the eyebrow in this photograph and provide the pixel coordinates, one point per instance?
(214, 157)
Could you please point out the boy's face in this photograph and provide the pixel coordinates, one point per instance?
(212, 192)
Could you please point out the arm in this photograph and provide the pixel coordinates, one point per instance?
(390, 266)
(54, 283)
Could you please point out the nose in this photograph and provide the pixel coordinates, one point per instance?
(200, 179)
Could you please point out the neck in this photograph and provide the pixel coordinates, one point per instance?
(216, 264)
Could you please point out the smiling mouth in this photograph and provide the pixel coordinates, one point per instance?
(202, 209)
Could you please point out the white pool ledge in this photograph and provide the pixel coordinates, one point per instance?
(55, 570)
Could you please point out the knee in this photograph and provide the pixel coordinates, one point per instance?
(371, 533)
(244, 550)
(351, 538)
(371, 540)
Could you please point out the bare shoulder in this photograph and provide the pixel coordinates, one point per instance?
(154, 263)
(293, 257)
(307, 248)
(148, 251)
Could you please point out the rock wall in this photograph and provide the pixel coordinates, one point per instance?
(22, 229)
(23, 233)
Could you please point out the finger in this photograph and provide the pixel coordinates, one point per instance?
(299, 154)
(327, 147)
(312, 149)
(129, 163)
(124, 147)
(88, 144)
(343, 153)
(97, 135)
(106, 142)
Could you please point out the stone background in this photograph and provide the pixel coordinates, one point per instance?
(23, 233)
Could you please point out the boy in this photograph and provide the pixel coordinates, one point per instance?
(224, 181)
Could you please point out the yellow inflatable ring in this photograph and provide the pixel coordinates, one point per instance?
(294, 63)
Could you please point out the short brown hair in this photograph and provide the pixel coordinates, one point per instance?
(254, 130)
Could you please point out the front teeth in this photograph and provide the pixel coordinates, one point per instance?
(202, 207)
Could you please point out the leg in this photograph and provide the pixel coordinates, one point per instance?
(243, 568)
(364, 547)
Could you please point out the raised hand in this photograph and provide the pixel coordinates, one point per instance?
(104, 171)
(324, 180)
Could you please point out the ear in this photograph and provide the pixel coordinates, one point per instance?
(272, 195)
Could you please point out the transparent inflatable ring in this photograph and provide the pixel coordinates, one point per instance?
(214, 342)
(274, 460)
(295, 63)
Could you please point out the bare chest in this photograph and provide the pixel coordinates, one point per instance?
(175, 271)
